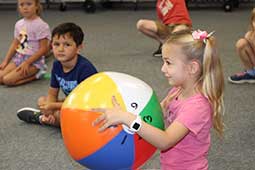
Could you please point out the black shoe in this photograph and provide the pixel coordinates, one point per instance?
(29, 115)
(158, 52)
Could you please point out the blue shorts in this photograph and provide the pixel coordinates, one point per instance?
(18, 59)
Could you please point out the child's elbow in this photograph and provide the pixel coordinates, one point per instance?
(164, 146)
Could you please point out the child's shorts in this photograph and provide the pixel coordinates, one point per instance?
(18, 59)
(165, 30)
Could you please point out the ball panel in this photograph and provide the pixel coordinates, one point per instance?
(94, 92)
(135, 92)
(118, 154)
(152, 113)
(80, 137)
(143, 151)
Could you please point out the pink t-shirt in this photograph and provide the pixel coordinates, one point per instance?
(29, 32)
(190, 153)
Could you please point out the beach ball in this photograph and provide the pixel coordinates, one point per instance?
(116, 148)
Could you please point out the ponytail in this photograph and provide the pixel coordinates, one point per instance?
(213, 83)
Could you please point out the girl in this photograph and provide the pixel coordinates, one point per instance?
(25, 56)
(246, 50)
(194, 104)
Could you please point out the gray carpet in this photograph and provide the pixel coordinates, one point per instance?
(112, 43)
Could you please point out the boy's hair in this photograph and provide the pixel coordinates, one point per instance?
(211, 79)
(69, 28)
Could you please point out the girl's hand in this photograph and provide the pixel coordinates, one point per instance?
(23, 68)
(3, 64)
(109, 117)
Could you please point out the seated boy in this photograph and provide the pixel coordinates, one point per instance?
(69, 69)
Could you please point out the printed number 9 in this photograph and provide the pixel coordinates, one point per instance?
(134, 105)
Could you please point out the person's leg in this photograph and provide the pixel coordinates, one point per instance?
(51, 119)
(180, 27)
(32, 115)
(155, 30)
(41, 101)
(149, 28)
(11, 66)
(247, 55)
(15, 77)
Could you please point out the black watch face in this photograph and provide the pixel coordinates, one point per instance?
(136, 126)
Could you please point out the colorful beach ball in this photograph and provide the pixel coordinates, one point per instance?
(116, 148)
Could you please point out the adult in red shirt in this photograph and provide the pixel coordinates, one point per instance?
(173, 16)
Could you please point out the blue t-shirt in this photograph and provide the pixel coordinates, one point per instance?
(68, 81)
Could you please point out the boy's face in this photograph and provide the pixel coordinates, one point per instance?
(64, 48)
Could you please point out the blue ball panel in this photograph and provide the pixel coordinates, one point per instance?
(118, 154)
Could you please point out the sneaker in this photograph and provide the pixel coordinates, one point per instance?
(41, 73)
(29, 115)
(242, 77)
(158, 52)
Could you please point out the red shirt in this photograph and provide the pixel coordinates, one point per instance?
(173, 12)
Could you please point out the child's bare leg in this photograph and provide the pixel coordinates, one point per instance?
(41, 100)
(245, 53)
(149, 28)
(16, 77)
(11, 66)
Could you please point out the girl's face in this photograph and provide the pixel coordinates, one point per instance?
(64, 48)
(27, 8)
(174, 67)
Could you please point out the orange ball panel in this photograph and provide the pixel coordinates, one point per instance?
(80, 137)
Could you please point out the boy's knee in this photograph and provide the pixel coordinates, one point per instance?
(41, 100)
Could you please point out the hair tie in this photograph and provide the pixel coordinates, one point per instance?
(201, 35)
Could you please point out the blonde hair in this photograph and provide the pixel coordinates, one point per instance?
(251, 28)
(39, 7)
(211, 80)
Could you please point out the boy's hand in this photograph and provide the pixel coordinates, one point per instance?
(48, 119)
(46, 109)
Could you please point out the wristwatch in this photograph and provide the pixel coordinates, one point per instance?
(136, 124)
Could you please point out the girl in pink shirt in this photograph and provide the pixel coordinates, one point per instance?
(192, 107)
(25, 57)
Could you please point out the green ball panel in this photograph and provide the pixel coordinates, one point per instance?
(152, 113)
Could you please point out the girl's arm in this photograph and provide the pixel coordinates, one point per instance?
(43, 49)
(159, 138)
(12, 50)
